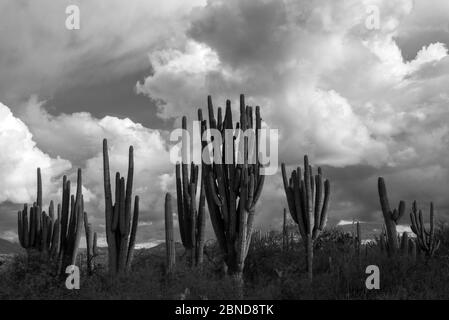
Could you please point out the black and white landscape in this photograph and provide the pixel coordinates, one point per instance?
(360, 87)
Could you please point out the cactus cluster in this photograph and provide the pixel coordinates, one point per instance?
(38, 230)
(56, 237)
(233, 189)
(426, 239)
(308, 200)
(121, 228)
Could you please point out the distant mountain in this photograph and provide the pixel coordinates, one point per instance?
(8, 247)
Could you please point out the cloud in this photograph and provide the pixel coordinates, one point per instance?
(19, 159)
(39, 55)
(362, 103)
(280, 58)
(337, 91)
(78, 136)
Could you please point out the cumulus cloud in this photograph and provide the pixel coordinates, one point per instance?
(278, 53)
(19, 159)
(362, 103)
(78, 136)
(39, 55)
(337, 91)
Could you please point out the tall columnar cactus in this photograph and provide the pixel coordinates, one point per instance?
(192, 221)
(413, 249)
(391, 218)
(169, 240)
(120, 233)
(308, 200)
(90, 244)
(427, 240)
(233, 187)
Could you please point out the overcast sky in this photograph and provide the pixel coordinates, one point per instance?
(361, 102)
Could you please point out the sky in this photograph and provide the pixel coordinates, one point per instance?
(362, 102)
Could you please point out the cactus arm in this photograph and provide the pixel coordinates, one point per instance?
(110, 236)
(214, 211)
(323, 215)
(56, 238)
(124, 236)
(192, 220)
(89, 240)
(385, 205)
(39, 188)
(94, 245)
(25, 227)
(241, 245)
(401, 211)
(201, 226)
(390, 223)
(258, 191)
(298, 210)
(79, 226)
(213, 190)
(169, 240)
(129, 188)
(308, 197)
(116, 206)
(179, 200)
(289, 194)
(44, 234)
(132, 238)
(318, 204)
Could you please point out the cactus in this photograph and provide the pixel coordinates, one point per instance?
(90, 244)
(308, 205)
(426, 239)
(391, 218)
(94, 250)
(233, 189)
(169, 240)
(404, 244)
(412, 251)
(192, 222)
(54, 238)
(120, 235)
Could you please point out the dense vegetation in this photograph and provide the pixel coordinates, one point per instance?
(272, 271)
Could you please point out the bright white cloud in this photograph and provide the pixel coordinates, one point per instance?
(19, 159)
(39, 55)
(79, 136)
